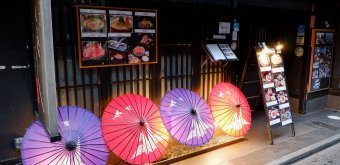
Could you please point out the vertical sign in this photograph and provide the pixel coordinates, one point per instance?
(44, 66)
(274, 89)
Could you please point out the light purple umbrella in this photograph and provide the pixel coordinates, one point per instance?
(82, 142)
(187, 117)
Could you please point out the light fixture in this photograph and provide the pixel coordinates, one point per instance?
(279, 47)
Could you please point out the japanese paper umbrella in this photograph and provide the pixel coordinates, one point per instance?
(230, 109)
(81, 143)
(187, 117)
(133, 129)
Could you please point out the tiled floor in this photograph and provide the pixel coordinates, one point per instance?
(257, 150)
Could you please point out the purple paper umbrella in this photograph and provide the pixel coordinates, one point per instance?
(187, 117)
(82, 141)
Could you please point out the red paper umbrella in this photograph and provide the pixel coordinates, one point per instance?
(133, 129)
(230, 109)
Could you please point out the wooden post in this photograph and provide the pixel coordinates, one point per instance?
(44, 67)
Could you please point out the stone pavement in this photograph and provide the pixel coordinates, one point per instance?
(329, 156)
(314, 132)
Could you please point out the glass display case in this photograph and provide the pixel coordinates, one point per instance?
(322, 45)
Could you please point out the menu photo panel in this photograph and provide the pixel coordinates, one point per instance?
(322, 43)
(110, 36)
(274, 87)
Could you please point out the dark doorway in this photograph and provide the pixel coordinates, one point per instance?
(16, 87)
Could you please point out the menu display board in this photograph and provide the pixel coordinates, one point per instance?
(109, 36)
(274, 90)
(321, 59)
(219, 52)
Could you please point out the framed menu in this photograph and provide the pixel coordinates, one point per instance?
(219, 52)
(274, 89)
(322, 43)
(109, 36)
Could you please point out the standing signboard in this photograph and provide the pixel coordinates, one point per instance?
(274, 87)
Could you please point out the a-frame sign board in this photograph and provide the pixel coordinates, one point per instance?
(274, 88)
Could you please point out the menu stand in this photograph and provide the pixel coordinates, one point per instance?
(274, 89)
(218, 52)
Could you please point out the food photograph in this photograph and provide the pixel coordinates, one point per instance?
(121, 23)
(279, 79)
(141, 48)
(270, 95)
(267, 77)
(94, 52)
(146, 40)
(273, 113)
(117, 57)
(145, 22)
(263, 60)
(282, 96)
(94, 23)
(285, 114)
(117, 43)
(138, 54)
(276, 60)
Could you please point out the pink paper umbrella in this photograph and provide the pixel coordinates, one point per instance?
(230, 109)
(133, 129)
(82, 142)
(187, 117)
